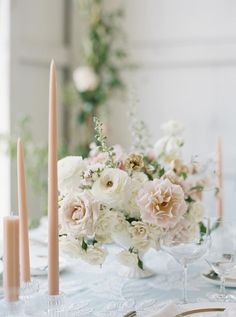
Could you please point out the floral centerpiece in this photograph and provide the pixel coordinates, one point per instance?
(128, 199)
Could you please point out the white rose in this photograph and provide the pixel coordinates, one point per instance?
(127, 258)
(120, 230)
(85, 79)
(78, 213)
(172, 128)
(140, 234)
(196, 212)
(71, 246)
(94, 255)
(70, 170)
(137, 180)
(103, 227)
(112, 188)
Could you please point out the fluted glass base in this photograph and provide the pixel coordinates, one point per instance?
(55, 306)
(29, 289)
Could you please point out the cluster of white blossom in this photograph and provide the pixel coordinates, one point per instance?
(132, 204)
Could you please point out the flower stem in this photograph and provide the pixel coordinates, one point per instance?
(185, 277)
(222, 285)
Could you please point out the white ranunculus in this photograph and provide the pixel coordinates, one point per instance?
(95, 255)
(172, 128)
(197, 210)
(70, 171)
(85, 79)
(112, 188)
(127, 258)
(71, 246)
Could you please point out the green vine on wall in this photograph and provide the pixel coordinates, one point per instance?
(96, 80)
(103, 59)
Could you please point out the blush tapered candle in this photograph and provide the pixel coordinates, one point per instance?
(23, 214)
(53, 249)
(219, 180)
(11, 278)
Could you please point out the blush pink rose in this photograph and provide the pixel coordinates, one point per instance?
(78, 213)
(161, 203)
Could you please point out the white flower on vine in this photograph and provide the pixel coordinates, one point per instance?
(85, 79)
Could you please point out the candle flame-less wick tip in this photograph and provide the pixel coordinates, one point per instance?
(52, 63)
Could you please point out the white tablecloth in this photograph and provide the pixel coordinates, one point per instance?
(102, 289)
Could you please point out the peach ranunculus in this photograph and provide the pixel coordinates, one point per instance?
(161, 203)
(78, 213)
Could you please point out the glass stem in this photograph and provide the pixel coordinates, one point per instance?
(185, 276)
(222, 285)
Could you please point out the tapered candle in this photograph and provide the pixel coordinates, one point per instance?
(53, 252)
(219, 180)
(22, 206)
(11, 278)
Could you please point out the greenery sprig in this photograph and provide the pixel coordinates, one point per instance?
(139, 130)
(101, 141)
(104, 51)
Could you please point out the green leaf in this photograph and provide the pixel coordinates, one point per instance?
(131, 219)
(82, 117)
(203, 228)
(217, 190)
(161, 172)
(140, 263)
(189, 199)
(131, 250)
(183, 174)
(84, 245)
(198, 188)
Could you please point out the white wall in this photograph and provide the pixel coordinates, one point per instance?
(37, 34)
(186, 50)
(4, 107)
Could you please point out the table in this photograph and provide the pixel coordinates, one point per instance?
(99, 290)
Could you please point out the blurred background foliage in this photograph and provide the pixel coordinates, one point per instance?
(103, 59)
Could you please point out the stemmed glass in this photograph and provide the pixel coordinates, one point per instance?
(222, 255)
(186, 244)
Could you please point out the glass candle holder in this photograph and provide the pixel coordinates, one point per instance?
(55, 306)
(12, 309)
